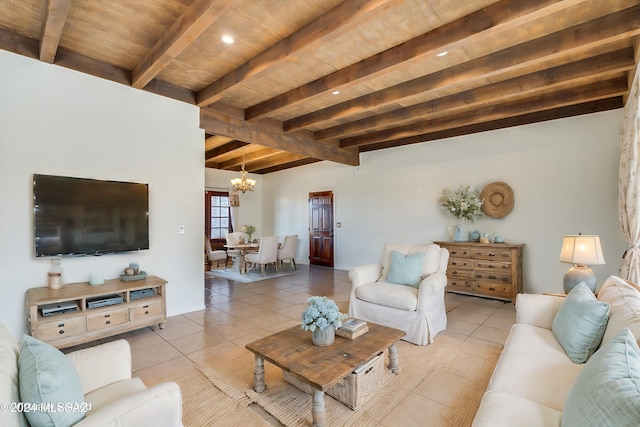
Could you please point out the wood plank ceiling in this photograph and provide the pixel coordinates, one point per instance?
(309, 80)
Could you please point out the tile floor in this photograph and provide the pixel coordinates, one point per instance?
(238, 313)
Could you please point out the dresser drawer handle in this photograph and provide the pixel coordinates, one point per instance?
(492, 277)
(61, 331)
(492, 288)
(108, 322)
(492, 254)
(60, 325)
(107, 315)
(146, 312)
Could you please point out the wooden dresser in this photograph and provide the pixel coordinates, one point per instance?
(141, 303)
(492, 270)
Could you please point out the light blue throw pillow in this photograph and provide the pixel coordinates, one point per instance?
(47, 376)
(405, 269)
(607, 391)
(580, 323)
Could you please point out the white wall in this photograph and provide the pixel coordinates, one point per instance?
(563, 174)
(60, 122)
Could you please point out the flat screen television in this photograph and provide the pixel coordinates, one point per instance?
(79, 216)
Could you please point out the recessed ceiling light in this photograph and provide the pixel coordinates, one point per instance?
(335, 92)
(227, 39)
(441, 54)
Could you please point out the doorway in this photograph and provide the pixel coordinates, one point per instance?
(321, 228)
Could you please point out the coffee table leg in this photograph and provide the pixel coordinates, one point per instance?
(318, 410)
(258, 375)
(393, 359)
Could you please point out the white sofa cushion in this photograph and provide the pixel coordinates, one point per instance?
(624, 301)
(607, 392)
(430, 263)
(534, 366)
(389, 295)
(502, 409)
(9, 391)
(110, 393)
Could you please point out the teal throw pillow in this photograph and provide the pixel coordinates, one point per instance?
(47, 376)
(580, 323)
(607, 391)
(405, 269)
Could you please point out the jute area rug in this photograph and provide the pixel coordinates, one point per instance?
(452, 372)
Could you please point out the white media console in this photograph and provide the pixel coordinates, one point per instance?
(79, 312)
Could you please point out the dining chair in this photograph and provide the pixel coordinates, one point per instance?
(288, 250)
(235, 238)
(217, 255)
(267, 254)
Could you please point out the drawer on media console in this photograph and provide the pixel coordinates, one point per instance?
(107, 319)
(48, 331)
(145, 309)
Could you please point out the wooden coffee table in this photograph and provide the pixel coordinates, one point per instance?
(322, 367)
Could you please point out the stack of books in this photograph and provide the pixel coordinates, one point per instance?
(352, 328)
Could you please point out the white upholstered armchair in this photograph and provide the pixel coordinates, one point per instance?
(417, 309)
(267, 254)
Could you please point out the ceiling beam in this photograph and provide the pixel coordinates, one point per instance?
(194, 21)
(266, 134)
(498, 17)
(274, 160)
(537, 117)
(257, 155)
(583, 39)
(576, 95)
(329, 26)
(283, 166)
(55, 15)
(561, 77)
(225, 148)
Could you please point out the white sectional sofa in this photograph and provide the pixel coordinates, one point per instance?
(535, 381)
(89, 387)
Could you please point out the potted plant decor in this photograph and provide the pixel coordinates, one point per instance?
(322, 317)
(249, 229)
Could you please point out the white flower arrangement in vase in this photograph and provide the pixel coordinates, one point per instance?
(462, 203)
(322, 317)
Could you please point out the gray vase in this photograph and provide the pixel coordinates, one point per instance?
(324, 336)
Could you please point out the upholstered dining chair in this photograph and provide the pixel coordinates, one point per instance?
(217, 255)
(288, 250)
(405, 291)
(235, 238)
(267, 254)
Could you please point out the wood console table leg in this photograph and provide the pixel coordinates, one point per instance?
(258, 375)
(318, 410)
(394, 365)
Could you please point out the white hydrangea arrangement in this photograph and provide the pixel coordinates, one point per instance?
(320, 313)
(462, 203)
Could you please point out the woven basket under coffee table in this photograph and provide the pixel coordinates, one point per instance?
(322, 368)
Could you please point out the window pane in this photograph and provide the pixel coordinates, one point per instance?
(224, 201)
(215, 233)
(215, 201)
(215, 222)
(224, 223)
(215, 212)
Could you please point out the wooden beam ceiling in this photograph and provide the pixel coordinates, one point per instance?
(267, 100)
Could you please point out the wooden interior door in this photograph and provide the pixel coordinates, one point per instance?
(321, 228)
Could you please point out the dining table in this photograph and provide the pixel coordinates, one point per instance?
(244, 248)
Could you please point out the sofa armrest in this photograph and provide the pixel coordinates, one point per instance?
(432, 284)
(364, 274)
(102, 365)
(537, 310)
(157, 406)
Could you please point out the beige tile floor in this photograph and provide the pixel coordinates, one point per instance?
(238, 313)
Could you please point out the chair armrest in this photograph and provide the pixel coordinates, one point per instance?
(364, 274)
(102, 365)
(432, 284)
(157, 406)
(537, 310)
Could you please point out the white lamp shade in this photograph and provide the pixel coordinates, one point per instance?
(582, 250)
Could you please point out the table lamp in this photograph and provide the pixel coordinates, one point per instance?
(580, 251)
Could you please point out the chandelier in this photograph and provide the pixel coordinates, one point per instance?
(243, 183)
